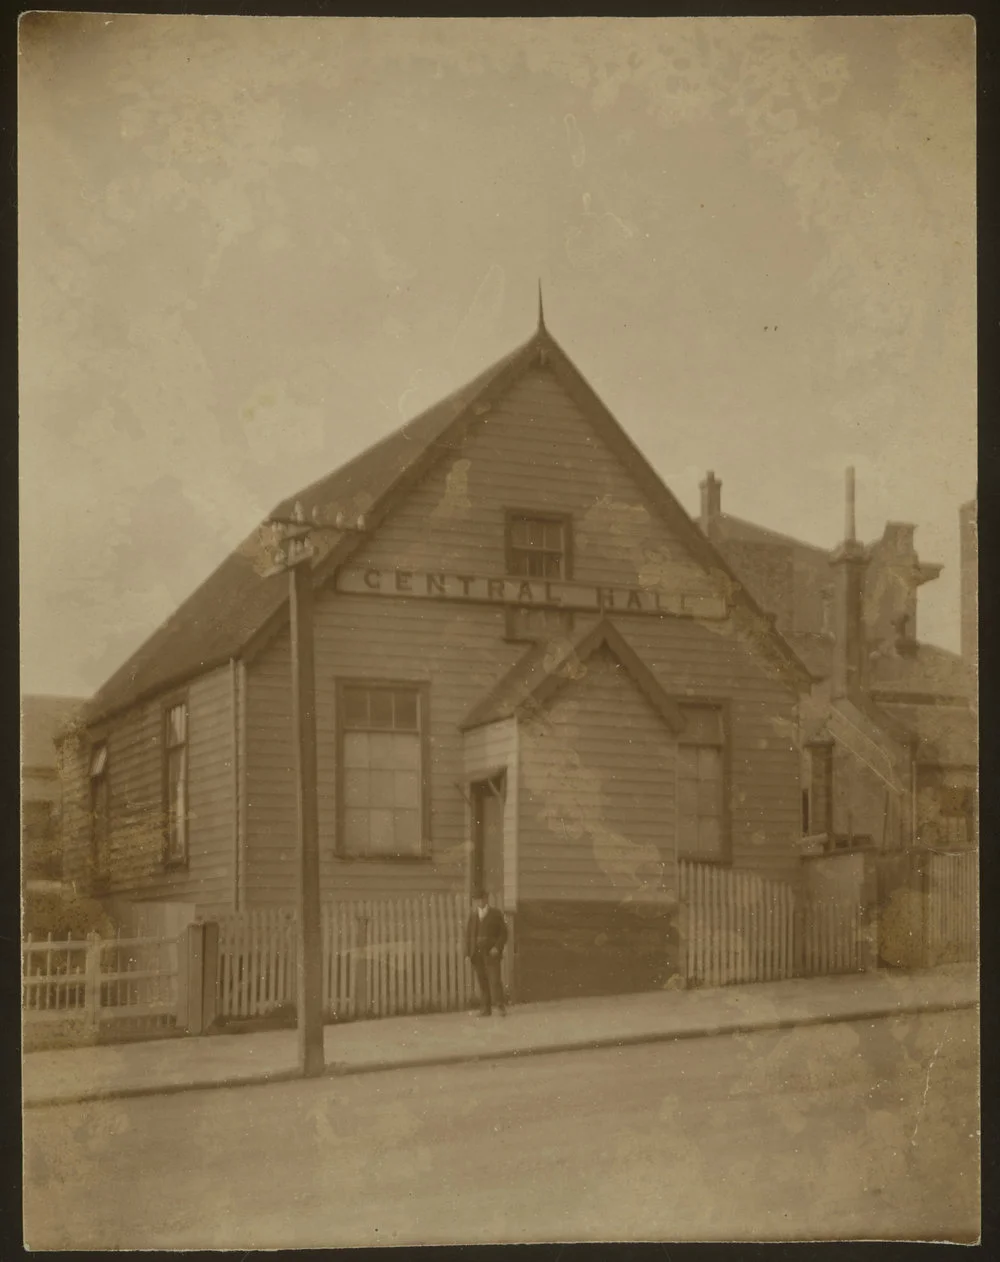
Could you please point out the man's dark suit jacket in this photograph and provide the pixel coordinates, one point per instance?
(483, 935)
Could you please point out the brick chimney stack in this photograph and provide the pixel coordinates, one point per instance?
(848, 562)
(711, 502)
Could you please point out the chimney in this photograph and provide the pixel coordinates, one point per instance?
(711, 501)
(849, 649)
(969, 562)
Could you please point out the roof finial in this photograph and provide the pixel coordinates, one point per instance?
(541, 308)
(850, 528)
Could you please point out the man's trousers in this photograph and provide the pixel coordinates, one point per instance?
(487, 970)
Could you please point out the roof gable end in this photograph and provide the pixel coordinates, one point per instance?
(545, 670)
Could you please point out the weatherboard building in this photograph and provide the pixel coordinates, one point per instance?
(533, 670)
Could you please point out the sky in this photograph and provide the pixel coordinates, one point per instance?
(250, 247)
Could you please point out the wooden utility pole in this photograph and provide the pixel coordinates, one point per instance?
(309, 997)
(295, 556)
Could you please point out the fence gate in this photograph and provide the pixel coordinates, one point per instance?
(92, 986)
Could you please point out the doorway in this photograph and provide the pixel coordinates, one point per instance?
(488, 798)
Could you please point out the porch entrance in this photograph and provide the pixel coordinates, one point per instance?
(487, 835)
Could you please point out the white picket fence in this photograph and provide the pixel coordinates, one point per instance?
(740, 927)
(952, 915)
(381, 957)
(94, 983)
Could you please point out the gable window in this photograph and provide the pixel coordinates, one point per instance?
(175, 752)
(701, 784)
(539, 545)
(100, 812)
(383, 767)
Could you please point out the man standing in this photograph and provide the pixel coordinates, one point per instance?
(485, 938)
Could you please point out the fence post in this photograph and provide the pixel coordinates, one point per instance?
(197, 977)
(189, 979)
(511, 958)
(183, 980)
(869, 912)
(923, 882)
(92, 980)
(209, 974)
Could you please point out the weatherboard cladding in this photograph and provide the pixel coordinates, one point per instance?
(435, 494)
(459, 649)
(135, 771)
(597, 793)
(460, 652)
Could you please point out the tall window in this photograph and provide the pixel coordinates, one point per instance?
(538, 545)
(384, 801)
(176, 783)
(956, 824)
(100, 812)
(819, 766)
(701, 784)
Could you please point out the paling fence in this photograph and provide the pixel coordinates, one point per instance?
(381, 957)
(952, 902)
(100, 985)
(832, 938)
(741, 927)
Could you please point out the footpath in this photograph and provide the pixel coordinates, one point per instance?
(73, 1075)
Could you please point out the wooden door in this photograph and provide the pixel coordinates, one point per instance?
(487, 836)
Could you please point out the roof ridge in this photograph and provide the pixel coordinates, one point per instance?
(776, 534)
(456, 398)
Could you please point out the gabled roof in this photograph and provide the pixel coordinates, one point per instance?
(236, 608)
(224, 613)
(739, 530)
(918, 671)
(547, 667)
(945, 735)
(922, 669)
(42, 720)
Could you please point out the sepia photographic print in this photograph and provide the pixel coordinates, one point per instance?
(499, 630)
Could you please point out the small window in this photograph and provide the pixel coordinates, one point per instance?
(176, 783)
(100, 811)
(701, 785)
(826, 611)
(538, 546)
(524, 622)
(381, 771)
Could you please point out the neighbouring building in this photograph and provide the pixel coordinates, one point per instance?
(890, 729)
(42, 720)
(532, 669)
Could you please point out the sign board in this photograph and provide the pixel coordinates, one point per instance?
(542, 593)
